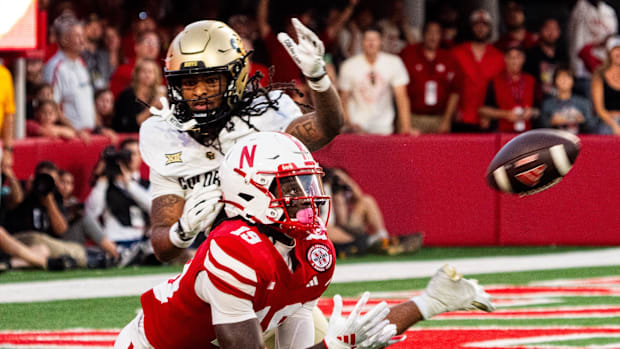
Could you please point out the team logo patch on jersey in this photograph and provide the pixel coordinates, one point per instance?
(320, 257)
(210, 155)
(173, 158)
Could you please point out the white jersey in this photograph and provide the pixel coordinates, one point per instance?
(370, 88)
(179, 165)
(73, 91)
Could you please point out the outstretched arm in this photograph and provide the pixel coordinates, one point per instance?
(404, 315)
(318, 128)
(165, 212)
(446, 291)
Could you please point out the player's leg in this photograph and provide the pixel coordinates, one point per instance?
(320, 324)
(373, 216)
(367, 216)
(132, 336)
(320, 328)
(23, 255)
(57, 247)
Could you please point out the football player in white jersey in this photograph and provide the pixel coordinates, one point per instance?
(211, 103)
(265, 267)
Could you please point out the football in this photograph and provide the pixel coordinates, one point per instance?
(533, 161)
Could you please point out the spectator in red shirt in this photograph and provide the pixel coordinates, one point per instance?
(477, 62)
(431, 71)
(285, 68)
(147, 46)
(510, 95)
(517, 35)
(594, 54)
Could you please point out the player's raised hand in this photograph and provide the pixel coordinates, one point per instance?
(450, 291)
(308, 55)
(370, 331)
(199, 213)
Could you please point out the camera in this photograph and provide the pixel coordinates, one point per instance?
(113, 159)
(43, 184)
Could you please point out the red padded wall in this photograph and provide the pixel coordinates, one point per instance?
(433, 183)
(74, 156)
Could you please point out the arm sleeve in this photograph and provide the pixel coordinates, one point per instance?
(230, 281)
(297, 331)
(140, 195)
(225, 307)
(60, 85)
(95, 203)
(400, 77)
(162, 185)
(33, 128)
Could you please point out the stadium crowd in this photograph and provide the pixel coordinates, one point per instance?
(99, 71)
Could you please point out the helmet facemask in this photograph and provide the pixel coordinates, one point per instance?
(299, 195)
(212, 119)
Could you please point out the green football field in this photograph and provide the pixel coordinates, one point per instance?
(577, 307)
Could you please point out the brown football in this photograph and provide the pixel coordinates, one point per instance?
(533, 161)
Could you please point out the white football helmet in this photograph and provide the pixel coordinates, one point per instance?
(271, 178)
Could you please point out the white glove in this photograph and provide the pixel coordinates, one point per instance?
(199, 214)
(308, 55)
(449, 291)
(370, 331)
(167, 113)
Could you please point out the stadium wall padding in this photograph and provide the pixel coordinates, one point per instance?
(435, 184)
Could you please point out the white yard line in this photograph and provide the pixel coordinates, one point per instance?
(480, 265)
(137, 284)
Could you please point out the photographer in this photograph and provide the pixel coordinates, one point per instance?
(120, 198)
(84, 227)
(14, 254)
(39, 219)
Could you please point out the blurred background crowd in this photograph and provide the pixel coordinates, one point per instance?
(401, 66)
